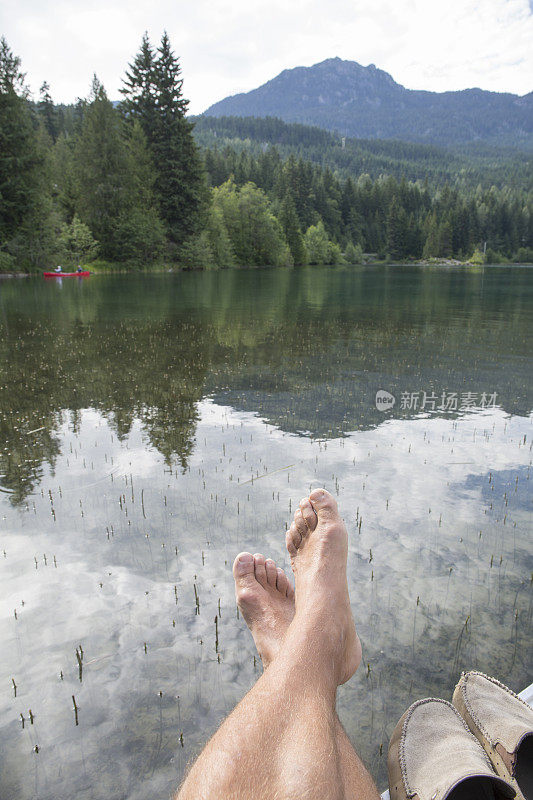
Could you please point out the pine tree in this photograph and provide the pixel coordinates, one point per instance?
(25, 209)
(18, 161)
(139, 90)
(153, 92)
(396, 227)
(445, 239)
(291, 227)
(115, 179)
(431, 245)
(180, 176)
(103, 171)
(48, 112)
(64, 177)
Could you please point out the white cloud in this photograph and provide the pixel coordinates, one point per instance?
(226, 47)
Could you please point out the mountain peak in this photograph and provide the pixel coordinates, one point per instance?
(360, 101)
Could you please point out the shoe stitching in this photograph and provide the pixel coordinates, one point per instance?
(401, 756)
(475, 718)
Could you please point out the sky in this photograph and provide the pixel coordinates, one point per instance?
(230, 46)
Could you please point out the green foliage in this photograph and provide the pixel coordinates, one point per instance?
(431, 246)
(77, 243)
(133, 176)
(317, 244)
(477, 258)
(353, 254)
(19, 161)
(256, 235)
(140, 236)
(401, 219)
(219, 240)
(335, 255)
(291, 227)
(464, 167)
(26, 224)
(396, 230)
(103, 173)
(524, 255)
(153, 95)
(7, 262)
(64, 176)
(493, 257)
(48, 112)
(196, 252)
(115, 180)
(139, 91)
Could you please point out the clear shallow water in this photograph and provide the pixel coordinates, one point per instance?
(134, 415)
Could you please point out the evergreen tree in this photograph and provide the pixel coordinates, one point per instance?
(25, 210)
(48, 112)
(103, 171)
(18, 160)
(431, 245)
(396, 229)
(64, 177)
(139, 90)
(115, 184)
(291, 227)
(153, 92)
(445, 240)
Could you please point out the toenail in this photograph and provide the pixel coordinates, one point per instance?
(246, 558)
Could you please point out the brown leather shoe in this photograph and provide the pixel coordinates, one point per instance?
(434, 756)
(503, 724)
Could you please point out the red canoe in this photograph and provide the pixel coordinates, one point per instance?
(66, 274)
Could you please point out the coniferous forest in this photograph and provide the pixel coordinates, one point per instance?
(139, 184)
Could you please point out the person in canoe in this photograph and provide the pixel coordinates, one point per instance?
(58, 269)
(80, 269)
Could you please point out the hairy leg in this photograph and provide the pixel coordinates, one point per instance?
(284, 739)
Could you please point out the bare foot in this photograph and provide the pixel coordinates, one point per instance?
(266, 600)
(317, 542)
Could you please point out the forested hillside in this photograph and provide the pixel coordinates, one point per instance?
(129, 185)
(464, 166)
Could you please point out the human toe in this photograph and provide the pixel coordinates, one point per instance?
(283, 584)
(260, 569)
(308, 513)
(271, 572)
(300, 523)
(324, 505)
(243, 567)
(293, 539)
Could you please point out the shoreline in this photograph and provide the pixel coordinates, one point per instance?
(119, 270)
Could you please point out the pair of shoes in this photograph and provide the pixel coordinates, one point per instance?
(479, 748)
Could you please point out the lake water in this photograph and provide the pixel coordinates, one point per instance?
(154, 426)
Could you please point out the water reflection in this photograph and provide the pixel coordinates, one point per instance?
(153, 428)
(305, 349)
